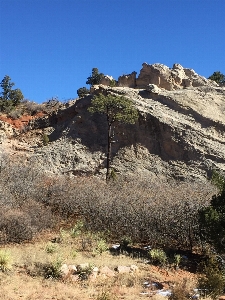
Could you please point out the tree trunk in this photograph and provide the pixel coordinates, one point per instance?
(108, 163)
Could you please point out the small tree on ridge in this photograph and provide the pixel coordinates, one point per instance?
(9, 97)
(95, 77)
(218, 77)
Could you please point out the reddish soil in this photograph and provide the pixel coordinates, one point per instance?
(20, 122)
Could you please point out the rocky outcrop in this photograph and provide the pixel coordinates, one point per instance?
(162, 76)
(107, 80)
(128, 80)
(170, 79)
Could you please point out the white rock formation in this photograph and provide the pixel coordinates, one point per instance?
(170, 79)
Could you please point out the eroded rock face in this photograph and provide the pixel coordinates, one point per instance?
(107, 80)
(128, 80)
(170, 79)
(180, 132)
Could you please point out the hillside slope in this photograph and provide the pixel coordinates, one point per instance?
(179, 134)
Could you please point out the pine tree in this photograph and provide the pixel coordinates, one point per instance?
(9, 98)
(117, 109)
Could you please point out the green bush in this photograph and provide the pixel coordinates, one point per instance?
(211, 218)
(52, 270)
(5, 261)
(82, 92)
(45, 139)
(51, 248)
(126, 240)
(84, 273)
(177, 259)
(101, 246)
(113, 83)
(211, 279)
(77, 229)
(158, 257)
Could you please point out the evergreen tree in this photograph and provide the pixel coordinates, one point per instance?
(116, 109)
(218, 77)
(95, 77)
(9, 98)
(212, 218)
(82, 92)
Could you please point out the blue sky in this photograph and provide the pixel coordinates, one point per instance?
(49, 47)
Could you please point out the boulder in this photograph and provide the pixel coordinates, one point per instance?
(106, 272)
(123, 269)
(153, 88)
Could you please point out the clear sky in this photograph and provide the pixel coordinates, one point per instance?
(49, 47)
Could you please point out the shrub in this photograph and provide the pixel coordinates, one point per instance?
(105, 295)
(5, 261)
(52, 270)
(180, 291)
(177, 259)
(51, 248)
(161, 214)
(126, 240)
(101, 246)
(31, 107)
(158, 257)
(15, 114)
(82, 92)
(45, 139)
(16, 226)
(77, 229)
(112, 83)
(85, 272)
(212, 280)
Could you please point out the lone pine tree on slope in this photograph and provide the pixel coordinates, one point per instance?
(117, 109)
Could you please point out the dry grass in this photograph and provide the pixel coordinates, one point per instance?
(150, 212)
(24, 281)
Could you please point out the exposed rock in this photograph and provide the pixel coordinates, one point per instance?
(133, 268)
(153, 88)
(106, 272)
(128, 80)
(82, 267)
(7, 130)
(123, 269)
(180, 132)
(170, 79)
(69, 272)
(107, 80)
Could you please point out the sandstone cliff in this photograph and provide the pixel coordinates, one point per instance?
(179, 134)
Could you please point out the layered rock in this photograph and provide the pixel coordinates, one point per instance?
(170, 79)
(128, 80)
(179, 134)
(107, 80)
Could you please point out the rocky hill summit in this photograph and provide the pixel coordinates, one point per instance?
(179, 133)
